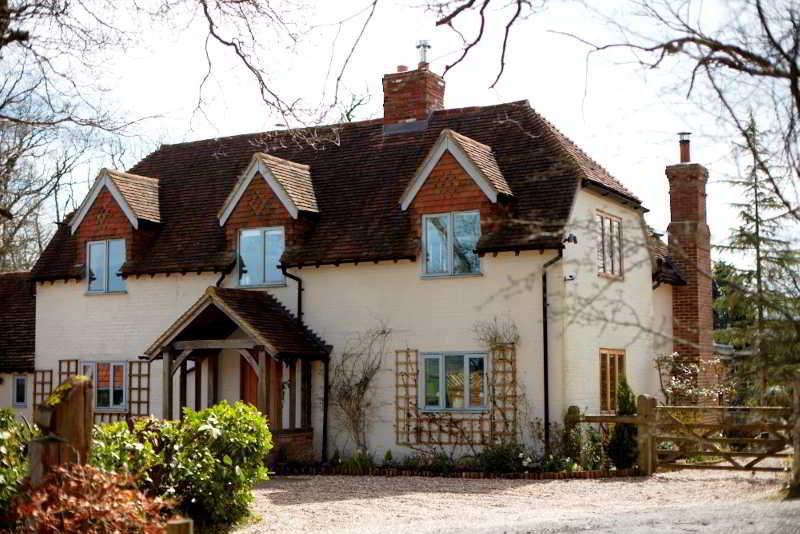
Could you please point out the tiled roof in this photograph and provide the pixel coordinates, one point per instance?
(141, 192)
(481, 155)
(295, 179)
(272, 322)
(357, 182)
(17, 322)
(665, 271)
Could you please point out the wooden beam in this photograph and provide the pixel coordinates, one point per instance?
(177, 362)
(198, 344)
(211, 379)
(293, 394)
(276, 394)
(166, 400)
(261, 372)
(305, 394)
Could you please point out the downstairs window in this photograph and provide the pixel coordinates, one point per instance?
(612, 371)
(453, 381)
(110, 379)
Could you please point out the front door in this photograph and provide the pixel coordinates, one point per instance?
(248, 383)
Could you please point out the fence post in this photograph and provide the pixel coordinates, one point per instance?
(180, 525)
(646, 410)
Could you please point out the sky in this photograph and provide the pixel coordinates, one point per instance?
(625, 117)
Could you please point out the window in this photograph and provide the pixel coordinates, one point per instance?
(105, 259)
(260, 252)
(110, 379)
(20, 391)
(453, 381)
(612, 370)
(609, 245)
(450, 241)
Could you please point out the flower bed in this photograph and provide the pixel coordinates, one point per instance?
(394, 472)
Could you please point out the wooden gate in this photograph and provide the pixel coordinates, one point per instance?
(704, 437)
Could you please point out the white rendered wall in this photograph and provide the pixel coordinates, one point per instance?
(7, 394)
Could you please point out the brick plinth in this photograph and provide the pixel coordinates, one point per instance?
(690, 248)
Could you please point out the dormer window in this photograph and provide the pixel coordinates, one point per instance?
(105, 260)
(260, 252)
(450, 240)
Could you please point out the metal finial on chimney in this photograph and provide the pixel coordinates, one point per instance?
(423, 46)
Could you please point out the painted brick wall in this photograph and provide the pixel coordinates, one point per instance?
(450, 188)
(411, 94)
(260, 207)
(690, 246)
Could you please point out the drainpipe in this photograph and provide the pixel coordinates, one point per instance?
(325, 389)
(299, 292)
(546, 350)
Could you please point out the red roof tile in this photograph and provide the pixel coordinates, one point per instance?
(141, 193)
(357, 182)
(17, 322)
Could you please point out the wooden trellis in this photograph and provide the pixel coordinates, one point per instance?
(42, 385)
(138, 388)
(66, 369)
(497, 422)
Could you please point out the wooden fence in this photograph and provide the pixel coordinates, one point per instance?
(705, 437)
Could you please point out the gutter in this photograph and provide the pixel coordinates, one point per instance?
(546, 351)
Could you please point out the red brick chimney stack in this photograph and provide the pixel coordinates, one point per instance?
(410, 95)
(690, 247)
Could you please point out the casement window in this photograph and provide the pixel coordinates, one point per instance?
(612, 371)
(609, 245)
(260, 252)
(105, 260)
(20, 391)
(110, 384)
(450, 240)
(453, 381)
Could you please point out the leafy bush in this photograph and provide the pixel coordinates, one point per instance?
(78, 498)
(360, 461)
(208, 462)
(591, 447)
(503, 458)
(433, 462)
(622, 447)
(14, 437)
(388, 459)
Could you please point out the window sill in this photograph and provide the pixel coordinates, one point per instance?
(101, 293)
(611, 277)
(20, 406)
(111, 410)
(450, 276)
(263, 286)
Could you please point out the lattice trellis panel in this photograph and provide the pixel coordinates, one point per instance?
(66, 369)
(42, 386)
(138, 388)
(414, 427)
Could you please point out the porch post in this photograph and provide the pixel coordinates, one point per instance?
(325, 390)
(261, 359)
(305, 394)
(293, 394)
(276, 394)
(166, 399)
(198, 382)
(211, 379)
(182, 389)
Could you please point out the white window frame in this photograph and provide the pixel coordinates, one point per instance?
(450, 245)
(263, 231)
(14, 389)
(105, 289)
(467, 379)
(92, 366)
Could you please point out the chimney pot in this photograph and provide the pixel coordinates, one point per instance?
(402, 68)
(685, 146)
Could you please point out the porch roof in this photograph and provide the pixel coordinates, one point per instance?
(257, 313)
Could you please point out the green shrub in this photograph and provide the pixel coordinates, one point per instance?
(14, 437)
(360, 461)
(433, 462)
(388, 459)
(503, 458)
(591, 448)
(622, 446)
(208, 462)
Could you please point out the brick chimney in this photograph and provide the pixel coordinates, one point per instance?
(410, 95)
(690, 247)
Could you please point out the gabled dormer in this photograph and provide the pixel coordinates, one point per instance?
(113, 225)
(454, 198)
(268, 210)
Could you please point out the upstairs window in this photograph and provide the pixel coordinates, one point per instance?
(105, 260)
(260, 252)
(20, 391)
(454, 381)
(612, 371)
(450, 241)
(609, 246)
(109, 384)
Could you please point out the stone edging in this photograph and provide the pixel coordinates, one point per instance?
(394, 472)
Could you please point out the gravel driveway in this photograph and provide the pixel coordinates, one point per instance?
(688, 501)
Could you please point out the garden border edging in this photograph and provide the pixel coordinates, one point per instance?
(396, 472)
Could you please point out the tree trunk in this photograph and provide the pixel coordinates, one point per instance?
(794, 484)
